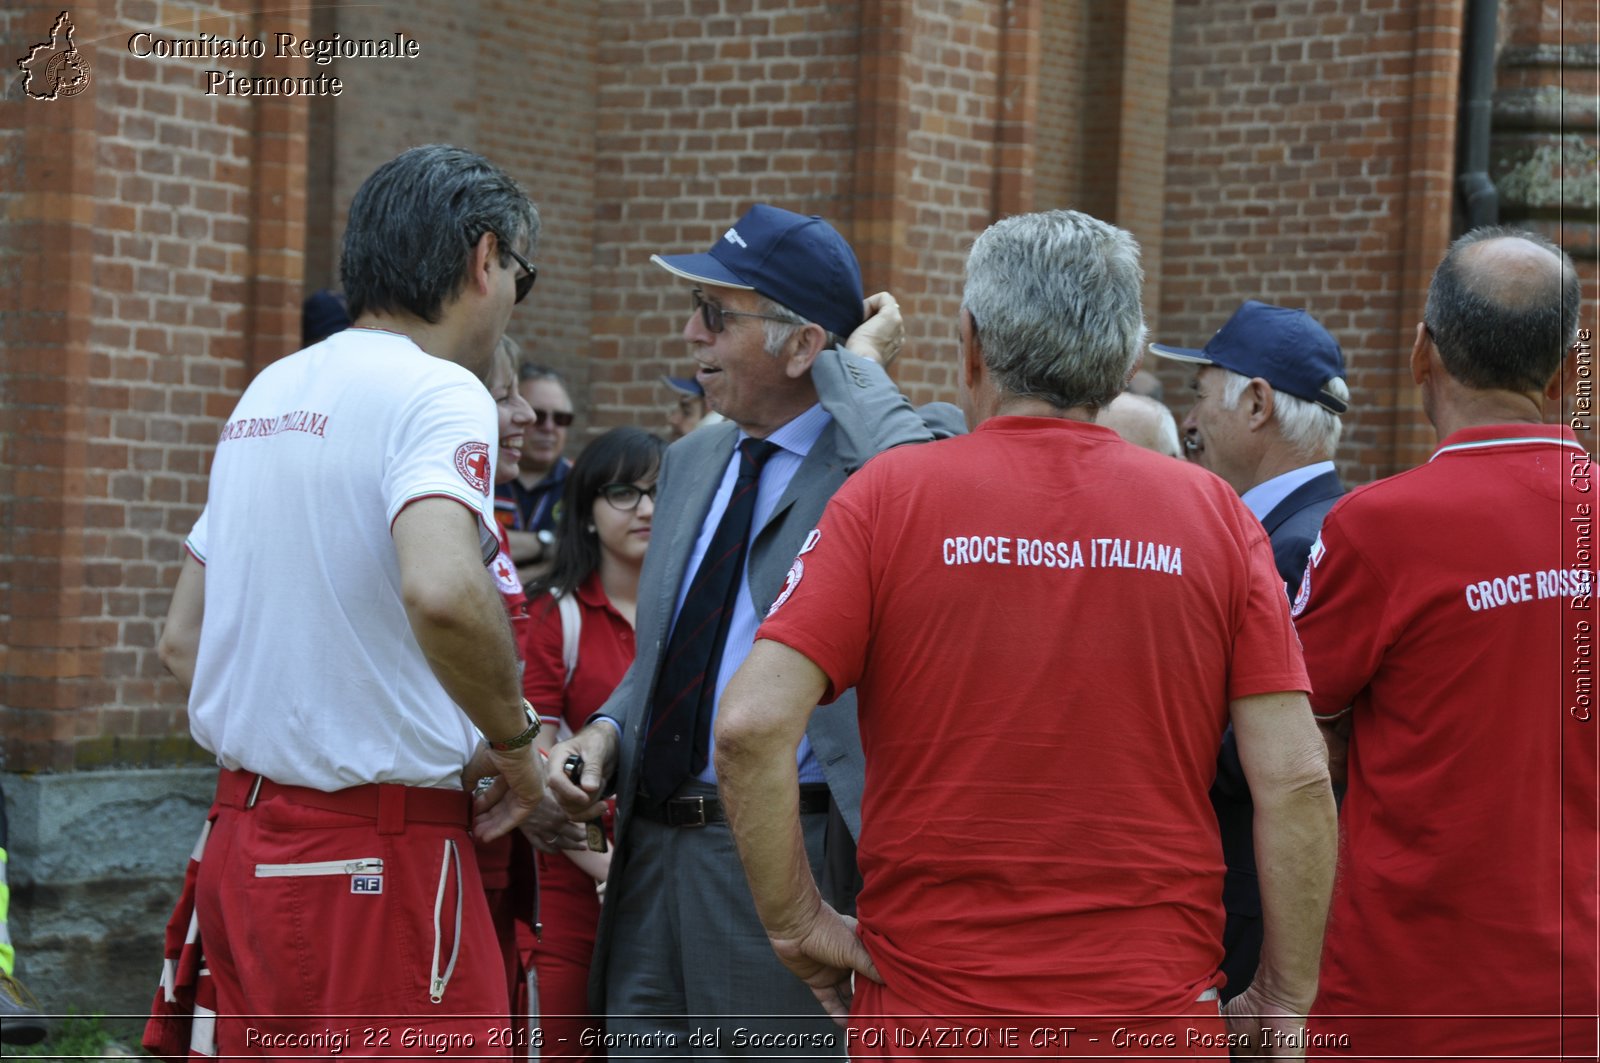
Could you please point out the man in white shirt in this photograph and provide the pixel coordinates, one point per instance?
(345, 647)
(1269, 390)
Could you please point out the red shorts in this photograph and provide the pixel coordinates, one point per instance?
(352, 933)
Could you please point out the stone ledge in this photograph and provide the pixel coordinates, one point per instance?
(96, 863)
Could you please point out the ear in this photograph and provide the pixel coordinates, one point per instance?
(1557, 385)
(972, 367)
(1259, 399)
(803, 348)
(485, 254)
(1421, 350)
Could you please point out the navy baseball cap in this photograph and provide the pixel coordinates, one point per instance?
(686, 384)
(1286, 348)
(796, 261)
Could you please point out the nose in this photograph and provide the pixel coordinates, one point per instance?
(1189, 423)
(646, 506)
(521, 412)
(694, 330)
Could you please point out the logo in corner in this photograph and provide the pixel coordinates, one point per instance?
(472, 462)
(55, 68)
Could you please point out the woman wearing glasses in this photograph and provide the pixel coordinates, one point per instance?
(602, 530)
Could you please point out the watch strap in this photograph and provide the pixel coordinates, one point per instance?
(518, 741)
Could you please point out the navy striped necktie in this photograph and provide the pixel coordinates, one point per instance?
(679, 739)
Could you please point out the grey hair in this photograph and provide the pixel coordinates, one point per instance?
(776, 333)
(530, 370)
(1501, 331)
(1310, 429)
(413, 225)
(1055, 299)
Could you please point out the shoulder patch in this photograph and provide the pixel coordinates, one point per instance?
(1303, 596)
(505, 574)
(472, 462)
(790, 582)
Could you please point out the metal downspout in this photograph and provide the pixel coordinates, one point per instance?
(1480, 201)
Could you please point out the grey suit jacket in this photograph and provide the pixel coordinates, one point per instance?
(869, 415)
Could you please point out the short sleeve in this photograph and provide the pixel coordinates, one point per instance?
(196, 542)
(825, 608)
(442, 447)
(544, 678)
(1339, 612)
(1266, 654)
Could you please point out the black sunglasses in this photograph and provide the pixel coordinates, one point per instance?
(562, 418)
(626, 496)
(713, 314)
(530, 271)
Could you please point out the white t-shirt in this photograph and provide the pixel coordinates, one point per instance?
(308, 672)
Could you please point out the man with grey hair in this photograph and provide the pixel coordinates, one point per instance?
(1449, 620)
(1269, 391)
(1035, 834)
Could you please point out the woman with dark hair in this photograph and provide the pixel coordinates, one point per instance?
(602, 531)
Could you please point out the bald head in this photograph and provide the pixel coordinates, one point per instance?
(1503, 309)
(1142, 421)
(1145, 382)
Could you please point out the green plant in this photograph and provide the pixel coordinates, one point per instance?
(74, 1037)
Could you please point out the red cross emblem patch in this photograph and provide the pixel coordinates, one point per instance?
(472, 462)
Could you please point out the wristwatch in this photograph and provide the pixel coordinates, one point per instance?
(547, 539)
(518, 741)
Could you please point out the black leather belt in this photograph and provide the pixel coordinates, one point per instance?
(698, 811)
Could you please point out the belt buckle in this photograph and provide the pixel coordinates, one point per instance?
(694, 807)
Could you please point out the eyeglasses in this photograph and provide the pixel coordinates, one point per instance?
(530, 271)
(626, 496)
(561, 418)
(712, 314)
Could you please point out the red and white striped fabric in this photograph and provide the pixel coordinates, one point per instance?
(183, 1015)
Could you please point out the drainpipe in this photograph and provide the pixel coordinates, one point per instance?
(1478, 196)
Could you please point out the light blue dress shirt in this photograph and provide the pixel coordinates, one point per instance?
(1263, 498)
(795, 441)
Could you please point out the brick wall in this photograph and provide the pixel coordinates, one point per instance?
(705, 107)
(1545, 139)
(1308, 164)
(513, 81)
(941, 187)
(155, 243)
(1063, 62)
(156, 246)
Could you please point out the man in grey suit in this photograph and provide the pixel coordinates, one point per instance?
(681, 964)
(1269, 391)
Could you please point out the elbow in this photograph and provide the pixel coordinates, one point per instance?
(1300, 777)
(167, 649)
(735, 730)
(175, 649)
(743, 735)
(434, 605)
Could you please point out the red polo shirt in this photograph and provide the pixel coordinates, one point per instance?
(1449, 610)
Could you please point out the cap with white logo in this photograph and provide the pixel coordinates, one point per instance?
(797, 261)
